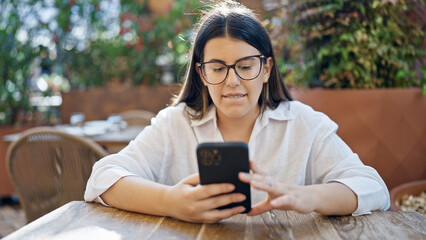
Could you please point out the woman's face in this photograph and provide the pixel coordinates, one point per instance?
(234, 98)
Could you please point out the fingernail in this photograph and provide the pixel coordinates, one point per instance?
(231, 187)
(244, 175)
(241, 197)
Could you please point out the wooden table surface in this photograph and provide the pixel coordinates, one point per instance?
(80, 220)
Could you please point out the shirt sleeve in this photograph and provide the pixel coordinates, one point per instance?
(142, 157)
(334, 161)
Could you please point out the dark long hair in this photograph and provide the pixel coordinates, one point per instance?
(230, 19)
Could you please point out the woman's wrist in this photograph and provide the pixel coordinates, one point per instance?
(144, 196)
(317, 197)
(333, 199)
(166, 202)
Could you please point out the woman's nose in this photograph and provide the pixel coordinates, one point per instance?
(232, 79)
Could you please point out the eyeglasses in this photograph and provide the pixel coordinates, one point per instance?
(247, 68)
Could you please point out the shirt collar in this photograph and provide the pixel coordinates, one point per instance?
(281, 113)
(210, 115)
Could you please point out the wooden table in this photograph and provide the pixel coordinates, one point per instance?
(80, 220)
(112, 141)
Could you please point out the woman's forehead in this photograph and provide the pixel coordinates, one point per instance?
(227, 49)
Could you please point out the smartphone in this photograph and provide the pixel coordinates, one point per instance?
(220, 162)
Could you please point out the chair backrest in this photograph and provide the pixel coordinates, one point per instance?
(137, 117)
(50, 168)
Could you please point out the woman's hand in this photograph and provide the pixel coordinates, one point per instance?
(280, 195)
(192, 202)
(327, 199)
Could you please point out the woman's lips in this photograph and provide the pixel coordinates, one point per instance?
(235, 95)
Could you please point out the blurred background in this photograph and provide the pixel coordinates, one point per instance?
(48, 47)
(85, 62)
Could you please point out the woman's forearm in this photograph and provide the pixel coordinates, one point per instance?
(187, 200)
(334, 199)
(137, 195)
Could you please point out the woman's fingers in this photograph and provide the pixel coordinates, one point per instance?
(248, 177)
(210, 190)
(222, 200)
(260, 208)
(254, 177)
(207, 198)
(283, 202)
(263, 182)
(272, 187)
(206, 191)
(256, 169)
(299, 199)
(209, 213)
(199, 203)
(192, 180)
(217, 215)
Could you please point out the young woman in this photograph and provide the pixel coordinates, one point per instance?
(233, 91)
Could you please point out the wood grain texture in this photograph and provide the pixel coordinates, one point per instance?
(79, 220)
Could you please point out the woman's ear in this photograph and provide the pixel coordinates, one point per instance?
(268, 68)
(197, 68)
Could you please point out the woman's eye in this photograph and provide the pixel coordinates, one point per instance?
(218, 69)
(246, 67)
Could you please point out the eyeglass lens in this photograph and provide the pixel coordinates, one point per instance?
(246, 68)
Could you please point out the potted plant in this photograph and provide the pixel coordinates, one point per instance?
(362, 63)
(400, 196)
(362, 44)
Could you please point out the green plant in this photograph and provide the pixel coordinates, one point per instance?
(88, 43)
(142, 48)
(352, 44)
(16, 58)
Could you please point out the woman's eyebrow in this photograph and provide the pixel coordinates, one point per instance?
(221, 61)
(216, 60)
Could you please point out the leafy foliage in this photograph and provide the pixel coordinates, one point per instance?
(144, 46)
(15, 62)
(333, 43)
(352, 44)
(89, 43)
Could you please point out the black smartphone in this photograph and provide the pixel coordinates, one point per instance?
(220, 162)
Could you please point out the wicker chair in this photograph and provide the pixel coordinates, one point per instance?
(137, 117)
(50, 168)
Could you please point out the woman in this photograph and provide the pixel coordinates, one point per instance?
(234, 92)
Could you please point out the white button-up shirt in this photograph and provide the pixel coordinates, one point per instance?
(293, 143)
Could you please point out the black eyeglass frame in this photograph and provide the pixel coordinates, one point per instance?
(260, 56)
